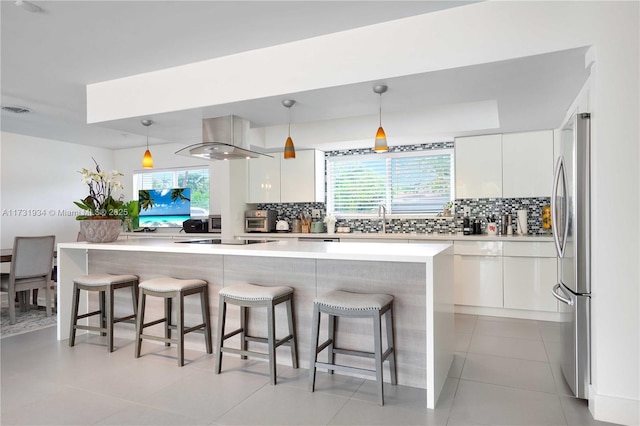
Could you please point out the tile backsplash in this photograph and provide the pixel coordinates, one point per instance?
(480, 208)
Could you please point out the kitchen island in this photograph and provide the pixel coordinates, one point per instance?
(419, 276)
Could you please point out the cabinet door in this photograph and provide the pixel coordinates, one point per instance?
(528, 282)
(264, 180)
(527, 164)
(478, 166)
(478, 280)
(302, 178)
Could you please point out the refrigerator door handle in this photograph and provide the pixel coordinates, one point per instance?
(554, 216)
(563, 297)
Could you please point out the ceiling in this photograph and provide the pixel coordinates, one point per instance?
(47, 59)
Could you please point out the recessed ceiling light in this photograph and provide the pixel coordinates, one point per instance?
(28, 6)
(16, 109)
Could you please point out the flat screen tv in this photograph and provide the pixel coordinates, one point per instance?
(164, 208)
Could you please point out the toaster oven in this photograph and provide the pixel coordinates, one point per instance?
(260, 221)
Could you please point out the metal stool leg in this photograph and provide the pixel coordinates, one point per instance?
(109, 317)
(377, 338)
(140, 322)
(271, 341)
(331, 356)
(206, 318)
(292, 331)
(103, 312)
(243, 326)
(74, 314)
(391, 344)
(222, 314)
(180, 315)
(315, 333)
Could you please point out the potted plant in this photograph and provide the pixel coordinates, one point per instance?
(103, 221)
(447, 209)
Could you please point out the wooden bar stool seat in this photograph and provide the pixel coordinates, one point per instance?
(173, 288)
(255, 296)
(355, 305)
(105, 284)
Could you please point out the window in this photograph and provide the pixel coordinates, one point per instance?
(406, 183)
(196, 178)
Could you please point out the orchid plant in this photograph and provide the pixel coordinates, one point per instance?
(100, 202)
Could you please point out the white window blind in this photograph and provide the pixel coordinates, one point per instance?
(407, 183)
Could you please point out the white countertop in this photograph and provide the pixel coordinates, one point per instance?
(293, 249)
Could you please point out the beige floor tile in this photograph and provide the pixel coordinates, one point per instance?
(533, 350)
(511, 372)
(481, 403)
(517, 329)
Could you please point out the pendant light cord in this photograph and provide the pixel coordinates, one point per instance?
(380, 110)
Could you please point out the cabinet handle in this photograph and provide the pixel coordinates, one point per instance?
(562, 298)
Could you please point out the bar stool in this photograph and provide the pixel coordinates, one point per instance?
(254, 296)
(355, 305)
(105, 284)
(169, 288)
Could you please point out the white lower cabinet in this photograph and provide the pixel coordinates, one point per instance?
(478, 281)
(530, 271)
(477, 273)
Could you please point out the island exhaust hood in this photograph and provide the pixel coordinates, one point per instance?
(223, 138)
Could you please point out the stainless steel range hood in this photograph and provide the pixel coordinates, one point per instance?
(223, 138)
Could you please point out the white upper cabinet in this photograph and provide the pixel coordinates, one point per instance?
(302, 178)
(527, 164)
(298, 180)
(264, 179)
(478, 166)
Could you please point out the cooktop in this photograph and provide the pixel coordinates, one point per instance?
(219, 241)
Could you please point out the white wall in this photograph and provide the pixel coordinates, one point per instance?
(40, 182)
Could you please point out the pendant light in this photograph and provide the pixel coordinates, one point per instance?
(289, 149)
(381, 137)
(147, 160)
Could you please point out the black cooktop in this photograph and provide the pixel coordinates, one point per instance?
(219, 241)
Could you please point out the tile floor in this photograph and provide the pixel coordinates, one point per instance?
(506, 372)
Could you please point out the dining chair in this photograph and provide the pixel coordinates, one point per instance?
(30, 269)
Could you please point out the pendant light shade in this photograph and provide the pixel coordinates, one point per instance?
(147, 159)
(289, 149)
(381, 137)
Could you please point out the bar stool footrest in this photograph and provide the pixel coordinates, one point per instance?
(244, 353)
(346, 369)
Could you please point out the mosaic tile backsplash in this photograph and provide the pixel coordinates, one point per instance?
(480, 208)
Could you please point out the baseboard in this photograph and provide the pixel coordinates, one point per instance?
(613, 409)
(508, 313)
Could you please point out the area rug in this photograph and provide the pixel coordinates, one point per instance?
(25, 322)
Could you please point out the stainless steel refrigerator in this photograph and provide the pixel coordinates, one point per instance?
(571, 224)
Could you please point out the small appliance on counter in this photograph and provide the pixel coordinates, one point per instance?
(259, 221)
(215, 223)
(282, 226)
(195, 225)
(317, 227)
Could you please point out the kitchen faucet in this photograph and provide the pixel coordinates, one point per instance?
(382, 210)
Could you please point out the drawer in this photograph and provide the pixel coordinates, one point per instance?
(478, 248)
(529, 249)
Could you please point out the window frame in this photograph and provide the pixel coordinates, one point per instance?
(389, 155)
(175, 171)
